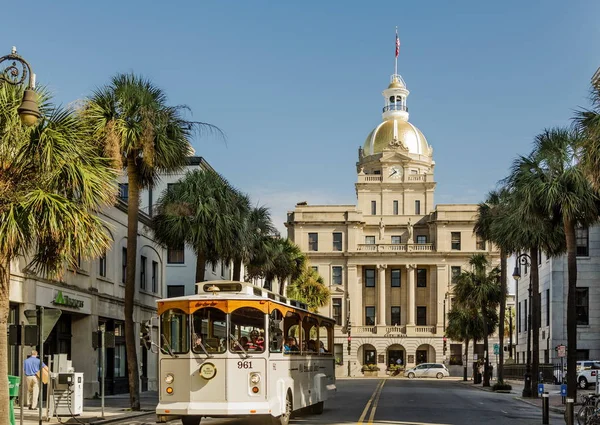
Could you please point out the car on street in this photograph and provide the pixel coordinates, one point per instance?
(427, 370)
(586, 373)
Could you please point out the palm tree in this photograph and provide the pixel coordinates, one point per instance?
(551, 180)
(132, 121)
(53, 181)
(309, 288)
(479, 289)
(464, 325)
(587, 121)
(199, 211)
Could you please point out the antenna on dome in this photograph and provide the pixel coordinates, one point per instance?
(397, 52)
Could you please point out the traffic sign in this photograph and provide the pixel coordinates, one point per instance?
(540, 389)
(496, 349)
(563, 390)
(562, 350)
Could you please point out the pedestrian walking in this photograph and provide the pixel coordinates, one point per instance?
(32, 369)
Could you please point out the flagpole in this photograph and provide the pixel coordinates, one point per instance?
(396, 56)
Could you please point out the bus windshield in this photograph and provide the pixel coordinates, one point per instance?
(209, 330)
(174, 332)
(247, 330)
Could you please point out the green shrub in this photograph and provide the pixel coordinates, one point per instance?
(501, 386)
(369, 368)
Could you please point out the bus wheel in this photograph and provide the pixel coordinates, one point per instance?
(191, 420)
(317, 408)
(284, 419)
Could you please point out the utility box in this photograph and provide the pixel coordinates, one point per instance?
(66, 398)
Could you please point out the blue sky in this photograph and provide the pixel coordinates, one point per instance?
(296, 86)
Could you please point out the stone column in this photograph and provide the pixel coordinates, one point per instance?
(381, 284)
(442, 290)
(410, 271)
(354, 291)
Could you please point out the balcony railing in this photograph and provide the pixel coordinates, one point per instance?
(425, 329)
(395, 107)
(400, 247)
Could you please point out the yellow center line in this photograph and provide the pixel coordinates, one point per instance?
(366, 410)
(372, 415)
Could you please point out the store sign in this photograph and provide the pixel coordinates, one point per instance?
(66, 301)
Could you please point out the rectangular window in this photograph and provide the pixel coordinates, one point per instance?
(417, 207)
(143, 262)
(373, 207)
(395, 208)
(519, 317)
(124, 191)
(102, 265)
(370, 278)
(422, 316)
(120, 361)
(395, 315)
(337, 310)
(421, 238)
(456, 354)
(370, 240)
(337, 241)
(213, 267)
(455, 272)
(479, 242)
(370, 357)
(455, 240)
(222, 268)
(583, 306)
(338, 353)
(123, 264)
(525, 321)
(421, 278)
(547, 307)
(175, 291)
(583, 242)
(336, 275)
(395, 278)
(175, 255)
(155, 277)
(396, 240)
(370, 316)
(313, 241)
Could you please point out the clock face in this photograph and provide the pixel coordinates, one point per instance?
(395, 173)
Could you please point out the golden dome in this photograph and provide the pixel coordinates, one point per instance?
(410, 136)
(396, 85)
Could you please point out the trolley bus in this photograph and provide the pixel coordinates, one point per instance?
(238, 350)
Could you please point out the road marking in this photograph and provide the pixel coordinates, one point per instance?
(366, 410)
(376, 403)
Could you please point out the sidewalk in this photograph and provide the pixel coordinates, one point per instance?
(116, 408)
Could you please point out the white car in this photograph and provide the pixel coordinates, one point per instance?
(586, 373)
(427, 370)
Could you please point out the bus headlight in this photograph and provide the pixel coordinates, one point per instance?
(169, 378)
(254, 378)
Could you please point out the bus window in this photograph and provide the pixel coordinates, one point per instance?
(174, 332)
(276, 331)
(325, 333)
(248, 329)
(209, 330)
(292, 329)
(311, 328)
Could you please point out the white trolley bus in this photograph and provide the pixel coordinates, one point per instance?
(237, 350)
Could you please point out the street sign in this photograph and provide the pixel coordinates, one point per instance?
(562, 350)
(563, 390)
(50, 318)
(496, 349)
(540, 389)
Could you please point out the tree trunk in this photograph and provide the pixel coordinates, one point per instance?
(133, 205)
(200, 266)
(486, 365)
(569, 227)
(466, 365)
(535, 321)
(4, 309)
(281, 286)
(502, 315)
(237, 269)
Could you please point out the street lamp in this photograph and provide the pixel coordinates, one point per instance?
(525, 260)
(349, 330)
(16, 73)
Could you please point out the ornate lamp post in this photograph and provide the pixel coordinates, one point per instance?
(16, 73)
(525, 260)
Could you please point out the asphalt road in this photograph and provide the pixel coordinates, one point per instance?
(407, 402)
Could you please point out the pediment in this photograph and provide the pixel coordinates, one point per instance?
(394, 156)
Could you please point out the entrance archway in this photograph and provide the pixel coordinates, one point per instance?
(425, 353)
(396, 352)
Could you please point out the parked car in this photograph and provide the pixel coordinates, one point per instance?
(427, 370)
(586, 373)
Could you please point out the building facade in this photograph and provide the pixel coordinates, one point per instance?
(390, 259)
(553, 276)
(91, 297)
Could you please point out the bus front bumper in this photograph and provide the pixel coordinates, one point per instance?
(214, 409)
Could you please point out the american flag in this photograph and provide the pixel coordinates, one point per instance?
(397, 44)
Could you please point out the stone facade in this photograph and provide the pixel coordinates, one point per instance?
(389, 260)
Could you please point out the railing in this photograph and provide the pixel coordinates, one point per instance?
(416, 178)
(550, 373)
(364, 329)
(397, 247)
(425, 329)
(373, 178)
(395, 330)
(395, 107)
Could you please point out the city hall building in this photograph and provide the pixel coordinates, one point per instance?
(389, 260)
